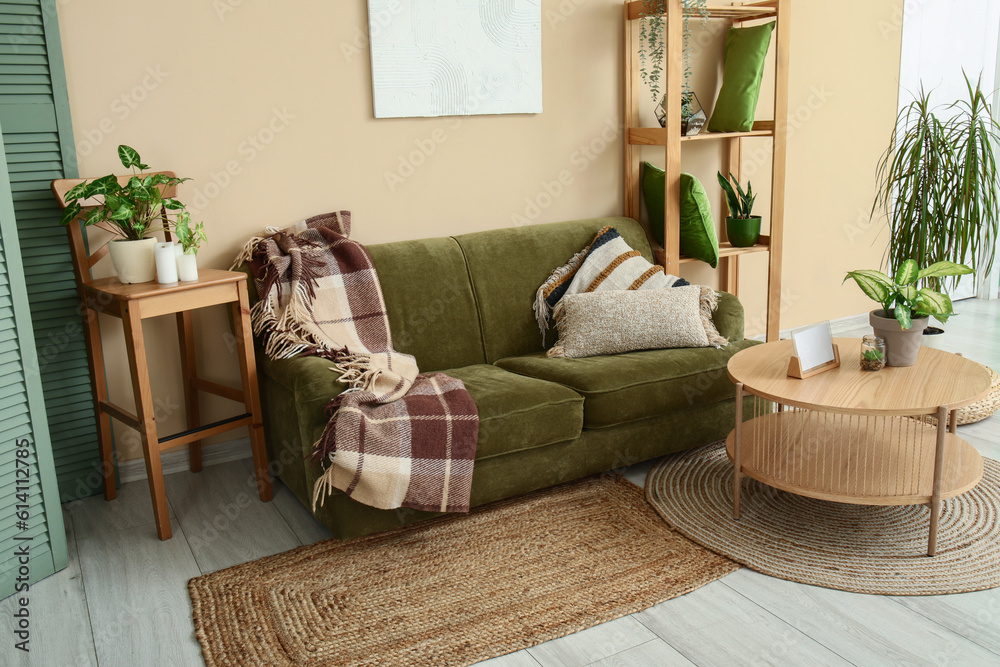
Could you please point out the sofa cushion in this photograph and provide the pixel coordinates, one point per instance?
(517, 412)
(507, 266)
(622, 388)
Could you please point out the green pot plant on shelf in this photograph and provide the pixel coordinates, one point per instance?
(742, 227)
(131, 210)
(938, 186)
(906, 307)
(189, 239)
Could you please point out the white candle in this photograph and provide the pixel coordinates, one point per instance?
(166, 263)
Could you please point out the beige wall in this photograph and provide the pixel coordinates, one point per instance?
(267, 106)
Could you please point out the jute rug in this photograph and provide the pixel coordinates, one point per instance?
(456, 590)
(860, 548)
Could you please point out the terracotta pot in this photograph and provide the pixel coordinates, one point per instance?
(134, 260)
(901, 345)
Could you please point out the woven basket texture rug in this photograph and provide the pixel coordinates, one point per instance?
(454, 590)
(858, 548)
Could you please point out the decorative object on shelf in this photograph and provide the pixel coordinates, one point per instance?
(698, 239)
(166, 263)
(872, 353)
(743, 69)
(692, 114)
(742, 227)
(652, 48)
(938, 185)
(132, 209)
(189, 239)
(905, 308)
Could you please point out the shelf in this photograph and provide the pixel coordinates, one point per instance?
(725, 250)
(657, 136)
(740, 13)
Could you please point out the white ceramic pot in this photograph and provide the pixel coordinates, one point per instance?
(187, 267)
(134, 260)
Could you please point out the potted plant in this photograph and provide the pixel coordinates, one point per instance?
(652, 47)
(937, 184)
(905, 307)
(189, 239)
(132, 210)
(742, 227)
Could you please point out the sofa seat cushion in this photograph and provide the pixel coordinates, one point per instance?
(517, 412)
(621, 388)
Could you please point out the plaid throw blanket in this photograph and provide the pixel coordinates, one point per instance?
(396, 438)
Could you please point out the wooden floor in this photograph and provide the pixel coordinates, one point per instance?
(123, 599)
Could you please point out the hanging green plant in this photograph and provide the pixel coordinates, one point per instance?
(652, 46)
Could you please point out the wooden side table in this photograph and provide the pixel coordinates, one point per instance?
(851, 436)
(132, 303)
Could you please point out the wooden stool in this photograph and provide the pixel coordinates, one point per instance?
(133, 303)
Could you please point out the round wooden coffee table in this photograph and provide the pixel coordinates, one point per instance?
(849, 436)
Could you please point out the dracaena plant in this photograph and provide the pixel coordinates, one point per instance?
(740, 202)
(132, 210)
(901, 298)
(938, 183)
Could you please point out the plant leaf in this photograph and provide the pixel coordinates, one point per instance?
(124, 212)
(734, 203)
(934, 303)
(942, 269)
(173, 205)
(129, 156)
(77, 191)
(903, 316)
(874, 284)
(70, 214)
(103, 186)
(908, 272)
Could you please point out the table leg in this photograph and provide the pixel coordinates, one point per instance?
(942, 425)
(248, 373)
(738, 452)
(136, 348)
(189, 371)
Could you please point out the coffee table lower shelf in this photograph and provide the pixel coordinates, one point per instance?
(864, 460)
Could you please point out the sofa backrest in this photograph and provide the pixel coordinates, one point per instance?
(507, 266)
(430, 302)
(468, 299)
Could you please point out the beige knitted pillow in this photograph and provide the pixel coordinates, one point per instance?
(611, 322)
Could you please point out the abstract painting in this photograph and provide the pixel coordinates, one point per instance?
(455, 57)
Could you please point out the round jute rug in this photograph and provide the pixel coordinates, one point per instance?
(859, 548)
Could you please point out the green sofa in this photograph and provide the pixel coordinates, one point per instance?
(463, 305)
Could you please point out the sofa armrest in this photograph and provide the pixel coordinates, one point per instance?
(306, 377)
(728, 317)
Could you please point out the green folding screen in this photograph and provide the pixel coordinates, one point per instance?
(38, 137)
(32, 537)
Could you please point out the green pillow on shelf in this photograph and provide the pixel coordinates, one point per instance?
(698, 239)
(746, 49)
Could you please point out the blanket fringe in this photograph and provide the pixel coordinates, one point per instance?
(323, 488)
(709, 302)
(357, 372)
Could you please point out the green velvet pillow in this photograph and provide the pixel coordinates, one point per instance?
(742, 72)
(698, 239)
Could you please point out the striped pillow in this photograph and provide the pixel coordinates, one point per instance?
(608, 263)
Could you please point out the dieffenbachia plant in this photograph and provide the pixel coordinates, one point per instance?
(901, 298)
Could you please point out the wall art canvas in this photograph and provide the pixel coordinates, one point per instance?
(455, 57)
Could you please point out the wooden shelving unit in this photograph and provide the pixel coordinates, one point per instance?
(670, 138)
